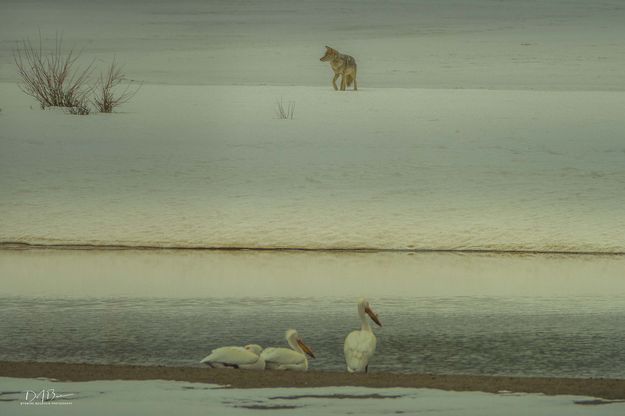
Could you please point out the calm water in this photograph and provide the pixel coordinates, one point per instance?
(556, 315)
(581, 336)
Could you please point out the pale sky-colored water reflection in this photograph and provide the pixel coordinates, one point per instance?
(536, 315)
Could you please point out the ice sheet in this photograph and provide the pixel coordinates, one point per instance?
(167, 398)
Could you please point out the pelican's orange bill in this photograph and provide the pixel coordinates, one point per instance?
(305, 348)
(373, 316)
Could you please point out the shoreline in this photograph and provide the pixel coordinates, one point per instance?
(609, 389)
(20, 246)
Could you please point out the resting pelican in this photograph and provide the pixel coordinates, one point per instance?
(288, 359)
(247, 357)
(360, 345)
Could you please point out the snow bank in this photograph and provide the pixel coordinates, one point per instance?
(212, 166)
(167, 398)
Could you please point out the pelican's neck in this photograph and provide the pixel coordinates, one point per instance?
(364, 323)
(294, 345)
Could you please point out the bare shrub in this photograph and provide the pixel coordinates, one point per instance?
(52, 77)
(285, 113)
(106, 99)
(80, 108)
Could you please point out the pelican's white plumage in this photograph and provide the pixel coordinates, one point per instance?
(288, 359)
(247, 357)
(360, 345)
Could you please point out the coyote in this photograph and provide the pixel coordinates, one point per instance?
(341, 64)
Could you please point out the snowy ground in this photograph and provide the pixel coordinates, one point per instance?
(389, 168)
(512, 44)
(534, 162)
(167, 398)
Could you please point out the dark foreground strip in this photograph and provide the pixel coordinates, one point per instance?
(13, 245)
(337, 396)
(596, 402)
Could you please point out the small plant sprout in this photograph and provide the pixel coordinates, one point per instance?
(285, 113)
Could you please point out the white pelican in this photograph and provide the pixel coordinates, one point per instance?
(360, 345)
(247, 357)
(288, 359)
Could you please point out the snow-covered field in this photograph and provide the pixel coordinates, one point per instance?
(212, 166)
(509, 45)
(167, 398)
(419, 158)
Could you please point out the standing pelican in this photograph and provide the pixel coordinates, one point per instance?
(360, 345)
(247, 357)
(288, 359)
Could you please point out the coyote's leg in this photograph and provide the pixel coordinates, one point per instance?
(343, 82)
(334, 82)
(355, 83)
